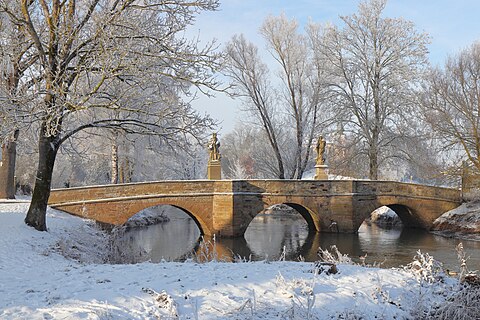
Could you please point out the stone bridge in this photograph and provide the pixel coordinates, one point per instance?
(226, 207)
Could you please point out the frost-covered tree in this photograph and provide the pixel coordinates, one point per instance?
(247, 155)
(286, 104)
(16, 60)
(86, 159)
(93, 56)
(301, 91)
(451, 104)
(251, 82)
(374, 65)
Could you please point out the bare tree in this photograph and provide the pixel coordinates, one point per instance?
(251, 81)
(247, 154)
(86, 49)
(296, 93)
(451, 104)
(374, 66)
(344, 156)
(302, 83)
(16, 60)
(140, 158)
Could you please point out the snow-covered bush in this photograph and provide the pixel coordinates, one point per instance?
(164, 301)
(463, 304)
(206, 251)
(333, 256)
(85, 246)
(329, 260)
(425, 268)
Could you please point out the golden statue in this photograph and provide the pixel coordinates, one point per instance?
(213, 147)
(320, 148)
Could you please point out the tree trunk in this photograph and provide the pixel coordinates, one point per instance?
(373, 163)
(272, 138)
(298, 167)
(43, 182)
(281, 170)
(373, 149)
(114, 163)
(7, 168)
(126, 171)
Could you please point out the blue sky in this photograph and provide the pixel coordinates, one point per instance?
(452, 25)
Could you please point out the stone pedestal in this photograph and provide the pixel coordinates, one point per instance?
(321, 172)
(214, 170)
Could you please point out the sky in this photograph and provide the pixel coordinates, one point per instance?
(451, 24)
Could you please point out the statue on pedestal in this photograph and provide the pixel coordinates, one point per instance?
(320, 166)
(213, 147)
(320, 148)
(214, 168)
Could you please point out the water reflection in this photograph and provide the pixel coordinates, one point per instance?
(170, 240)
(270, 236)
(162, 241)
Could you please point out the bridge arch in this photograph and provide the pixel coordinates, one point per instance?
(199, 222)
(407, 214)
(307, 214)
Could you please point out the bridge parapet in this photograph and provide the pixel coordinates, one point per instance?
(293, 187)
(183, 187)
(344, 187)
(405, 189)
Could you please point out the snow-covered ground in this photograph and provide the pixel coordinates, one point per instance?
(59, 275)
(385, 217)
(462, 222)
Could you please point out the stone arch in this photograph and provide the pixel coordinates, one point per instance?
(307, 214)
(202, 226)
(406, 213)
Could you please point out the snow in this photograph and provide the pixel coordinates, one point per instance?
(385, 217)
(461, 222)
(310, 175)
(148, 216)
(59, 274)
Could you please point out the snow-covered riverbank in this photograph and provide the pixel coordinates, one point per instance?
(37, 281)
(462, 222)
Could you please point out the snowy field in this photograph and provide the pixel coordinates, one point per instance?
(59, 275)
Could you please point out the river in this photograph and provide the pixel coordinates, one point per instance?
(274, 237)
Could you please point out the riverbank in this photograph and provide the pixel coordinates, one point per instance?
(462, 222)
(58, 274)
